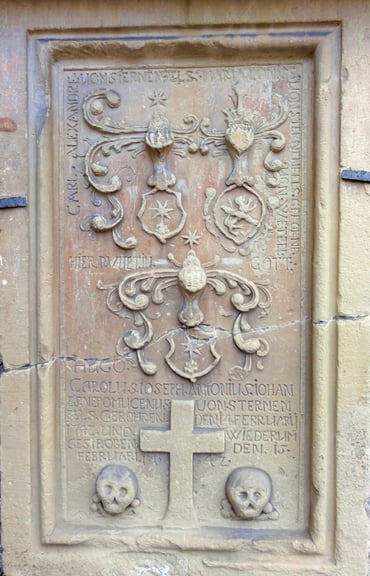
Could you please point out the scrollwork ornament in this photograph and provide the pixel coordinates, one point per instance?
(137, 291)
(102, 223)
(237, 214)
(104, 167)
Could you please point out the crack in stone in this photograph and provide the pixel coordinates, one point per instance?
(341, 318)
(222, 331)
(51, 361)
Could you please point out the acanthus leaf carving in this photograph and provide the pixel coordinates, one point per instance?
(138, 290)
(239, 211)
(157, 138)
(237, 214)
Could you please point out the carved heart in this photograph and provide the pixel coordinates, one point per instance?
(240, 137)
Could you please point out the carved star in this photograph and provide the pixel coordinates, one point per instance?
(162, 210)
(192, 346)
(191, 238)
(158, 98)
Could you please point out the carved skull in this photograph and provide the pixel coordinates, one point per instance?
(117, 488)
(249, 491)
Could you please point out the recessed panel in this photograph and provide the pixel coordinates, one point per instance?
(184, 248)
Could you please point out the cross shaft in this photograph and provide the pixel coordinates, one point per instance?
(181, 441)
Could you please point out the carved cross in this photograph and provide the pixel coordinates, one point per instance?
(181, 440)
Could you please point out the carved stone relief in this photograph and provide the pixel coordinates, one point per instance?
(249, 492)
(116, 489)
(177, 378)
(181, 442)
(136, 291)
(182, 277)
(161, 213)
(238, 212)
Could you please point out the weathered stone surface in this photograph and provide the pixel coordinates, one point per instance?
(180, 226)
(190, 395)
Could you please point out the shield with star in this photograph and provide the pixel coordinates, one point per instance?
(192, 351)
(162, 214)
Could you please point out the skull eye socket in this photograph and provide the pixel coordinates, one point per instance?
(256, 496)
(108, 489)
(122, 492)
(243, 496)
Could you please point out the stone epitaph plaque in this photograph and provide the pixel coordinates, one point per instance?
(182, 391)
(184, 294)
(184, 249)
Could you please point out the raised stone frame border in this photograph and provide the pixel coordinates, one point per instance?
(314, 553)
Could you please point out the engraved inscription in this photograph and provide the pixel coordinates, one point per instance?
(204, 75)
(258, 418)
(120, 262)
(184, 250)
